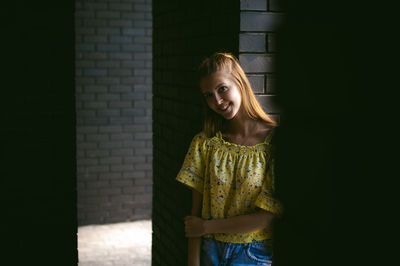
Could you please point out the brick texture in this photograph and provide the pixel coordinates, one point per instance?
(257, 50)
(114, 110)
(260, 5)
(184, 33)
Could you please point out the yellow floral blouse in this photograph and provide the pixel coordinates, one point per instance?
(234, 180)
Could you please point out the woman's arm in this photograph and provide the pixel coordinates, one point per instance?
(196, 227)
(195, 242)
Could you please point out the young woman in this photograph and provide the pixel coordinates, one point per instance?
(229, 168)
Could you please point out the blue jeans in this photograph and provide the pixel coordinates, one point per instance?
(218, 253)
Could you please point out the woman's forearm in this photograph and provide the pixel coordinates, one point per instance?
(239, 224)
(194, 251)
(194, 243)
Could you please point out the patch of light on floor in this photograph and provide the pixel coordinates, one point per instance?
(115, 244)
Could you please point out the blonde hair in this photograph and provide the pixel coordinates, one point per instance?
(229, 63)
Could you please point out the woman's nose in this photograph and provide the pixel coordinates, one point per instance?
(218, 99)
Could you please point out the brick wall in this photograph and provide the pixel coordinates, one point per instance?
(184, 33)
(259, 21)
(114, 109)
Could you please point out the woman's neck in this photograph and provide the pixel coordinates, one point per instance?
(241, 125)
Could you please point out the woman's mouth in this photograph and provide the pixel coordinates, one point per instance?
(225, 107)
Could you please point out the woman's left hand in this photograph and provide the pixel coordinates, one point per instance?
(194, 226)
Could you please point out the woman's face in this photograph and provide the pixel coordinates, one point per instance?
(221, 94)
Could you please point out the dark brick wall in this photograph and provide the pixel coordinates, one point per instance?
(259, 21)
(114, 109)
(184, 33)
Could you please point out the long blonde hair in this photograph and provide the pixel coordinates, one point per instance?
(229, 63)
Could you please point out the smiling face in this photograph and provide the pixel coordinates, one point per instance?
(221, 94)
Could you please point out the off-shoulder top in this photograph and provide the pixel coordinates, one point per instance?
(233, 179)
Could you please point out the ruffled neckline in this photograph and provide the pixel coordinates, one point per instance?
(240, 147)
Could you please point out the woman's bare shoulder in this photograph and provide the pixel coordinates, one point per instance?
(265, 128)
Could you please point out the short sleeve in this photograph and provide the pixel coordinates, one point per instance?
(192, 171)
(265, 199)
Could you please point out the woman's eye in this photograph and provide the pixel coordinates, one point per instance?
(207, 95)
(223, 88)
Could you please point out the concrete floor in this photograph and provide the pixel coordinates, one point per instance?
(115, 244)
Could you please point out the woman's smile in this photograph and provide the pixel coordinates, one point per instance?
(221, 94)
(224, 107)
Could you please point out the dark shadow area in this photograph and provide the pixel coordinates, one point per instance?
(335, 163)
(38, 179)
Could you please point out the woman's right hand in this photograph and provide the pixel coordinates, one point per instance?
(194, 226)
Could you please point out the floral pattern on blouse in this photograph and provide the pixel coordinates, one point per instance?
(234, 180)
